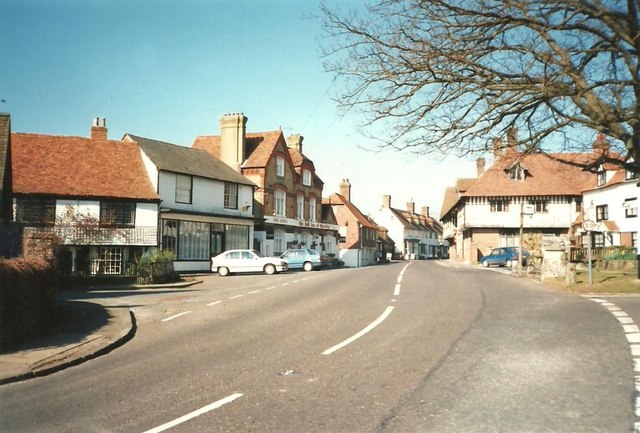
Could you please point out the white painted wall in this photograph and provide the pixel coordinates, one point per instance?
(614, 196)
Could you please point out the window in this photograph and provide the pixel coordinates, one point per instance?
(236, 236)
(306, 177)
(630, 207)
(278, 241)
(499, 205)
(193, 241)
(300, 207)
(36, 211)
(517, 172)
(110, 261)
(117, 214)
(184, 186)
(281, 202)
(279, 166)
(170, 235)
(312, 209)
(540, 206)
(602, 176)
(598, 240)
(602, 212)
(634, 239)
(230, 195)
(628, 175)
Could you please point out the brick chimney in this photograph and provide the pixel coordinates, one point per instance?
(498, 147)
(345, 189)
(233, 129)
(411, 207)
(480, 164)
(386, 201)
(295, 141)
(425, 211)
(99, 129)
(512, 137)
(601, 144)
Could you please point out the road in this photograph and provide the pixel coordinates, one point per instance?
(405, 347)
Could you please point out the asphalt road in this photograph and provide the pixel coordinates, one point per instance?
(419, 347)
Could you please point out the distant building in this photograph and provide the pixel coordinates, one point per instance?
(358, 233)
(416, 236)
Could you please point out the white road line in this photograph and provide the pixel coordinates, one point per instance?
(195, 413)
(284, 284)
(236, 297)
(353, 338)
(632, 334)
(213, 303)
(399, 279)
(396, 291)
(270, 288)
(254, 292)
(175, 316)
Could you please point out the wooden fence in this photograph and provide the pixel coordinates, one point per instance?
(578, 254)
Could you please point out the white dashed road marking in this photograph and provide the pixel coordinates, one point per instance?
(195, 413)
(353, 338)
(175, 316)
(632, 334)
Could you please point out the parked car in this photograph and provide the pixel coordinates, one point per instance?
(303, 258)
(504, 256)
(233, 261)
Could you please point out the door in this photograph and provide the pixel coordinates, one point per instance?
(217, 243)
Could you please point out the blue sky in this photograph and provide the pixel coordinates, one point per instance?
(168, 70)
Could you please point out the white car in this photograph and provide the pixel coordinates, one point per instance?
(233, 261)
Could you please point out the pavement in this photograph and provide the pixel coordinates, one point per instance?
(82, 331)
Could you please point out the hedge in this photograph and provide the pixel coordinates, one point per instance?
(27, 290)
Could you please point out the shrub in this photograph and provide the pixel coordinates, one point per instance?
(156, 267)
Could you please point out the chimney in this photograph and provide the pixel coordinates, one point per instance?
(601, 144)
(411, 207)
(99, 129)
(345, 189)
(497, 146)
(480, 163)
(425, 211)
(295, 141)
(512, 137)
(233, 129)
(386, 201)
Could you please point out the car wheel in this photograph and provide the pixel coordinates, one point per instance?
(269, 269)
(509, 263)
(485, 263)
(223, 272)
(308, 266)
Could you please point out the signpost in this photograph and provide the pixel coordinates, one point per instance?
(588, 226)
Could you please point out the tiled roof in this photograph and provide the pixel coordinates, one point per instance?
(339, 199)
(78, 167)
(545, 175)
(5, 135)
(453, 193)
(186, 160)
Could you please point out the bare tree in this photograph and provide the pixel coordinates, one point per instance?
(449, 75)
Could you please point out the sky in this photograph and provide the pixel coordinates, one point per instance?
(169, 69)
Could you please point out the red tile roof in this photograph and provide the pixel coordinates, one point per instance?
(78, 167)
(259, 146)
(545, 175)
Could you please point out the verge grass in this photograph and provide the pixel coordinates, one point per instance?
(604, 281)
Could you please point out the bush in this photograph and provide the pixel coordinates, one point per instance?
(27, 290)
(623, 254)
(155, 268)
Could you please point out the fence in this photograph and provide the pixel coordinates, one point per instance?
(577, 254)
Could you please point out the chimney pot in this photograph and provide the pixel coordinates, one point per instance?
(345, 189)
(99, 129)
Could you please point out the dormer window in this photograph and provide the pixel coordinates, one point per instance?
(517, 171)
(602, 176)
(306, 177)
